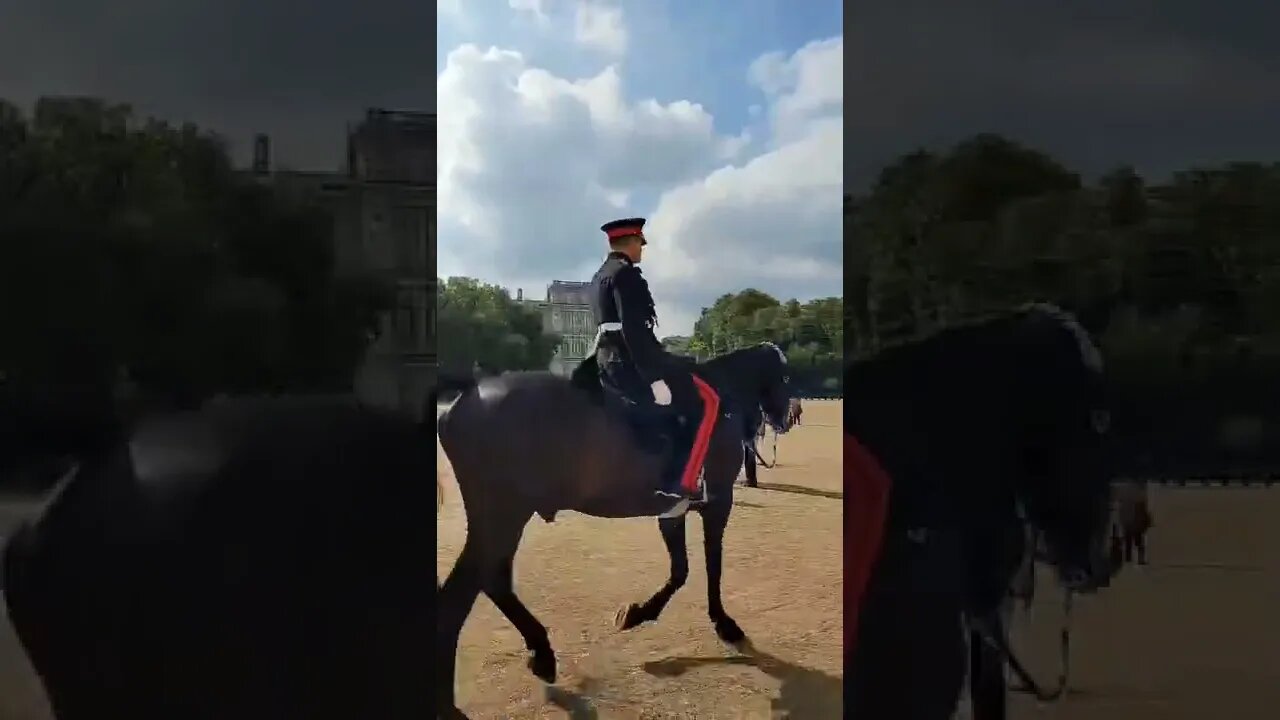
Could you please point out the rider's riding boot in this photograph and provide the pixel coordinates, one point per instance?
(682, 436)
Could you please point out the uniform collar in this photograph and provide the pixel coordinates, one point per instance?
(621, 256)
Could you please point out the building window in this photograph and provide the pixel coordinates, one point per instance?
(413, 239)
(411, 320)
(430, 249)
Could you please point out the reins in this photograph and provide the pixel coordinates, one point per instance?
(755, 451)
(995, 634)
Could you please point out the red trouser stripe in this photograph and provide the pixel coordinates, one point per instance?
(701, 441)
(866, 504)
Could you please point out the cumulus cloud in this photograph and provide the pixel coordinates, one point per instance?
(773, 222)
(530, 164)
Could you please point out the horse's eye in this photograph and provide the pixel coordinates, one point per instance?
(1101, 421)
(786, 379)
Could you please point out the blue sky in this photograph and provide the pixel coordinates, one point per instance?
(538, 116)
(682, 49)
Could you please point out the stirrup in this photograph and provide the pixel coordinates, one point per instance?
(702, 484)
(680, 508)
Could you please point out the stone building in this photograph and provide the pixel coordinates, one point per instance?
(384, 212)
(566, 311)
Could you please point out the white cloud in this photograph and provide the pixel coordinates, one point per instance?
(600, 27)
(802, 88)
(530, 164)
(537, 8)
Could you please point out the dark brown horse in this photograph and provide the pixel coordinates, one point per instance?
(534, 443)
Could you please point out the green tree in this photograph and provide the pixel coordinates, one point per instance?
(812, 334)
(482, 324)
(128, 242)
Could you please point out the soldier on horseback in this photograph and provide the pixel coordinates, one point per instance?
(634, 364)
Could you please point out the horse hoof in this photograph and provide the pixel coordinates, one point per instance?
(729, 632)
(627, 617)
(543, 666)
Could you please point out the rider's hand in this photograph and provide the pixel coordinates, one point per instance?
(661, 393)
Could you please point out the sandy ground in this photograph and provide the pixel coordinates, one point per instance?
(782, 583)
(1193, 635)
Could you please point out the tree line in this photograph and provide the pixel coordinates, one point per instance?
(1184, 272)
(810, 333)
(481, 327)
(131, 246)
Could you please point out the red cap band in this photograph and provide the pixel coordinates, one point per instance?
(624, 231)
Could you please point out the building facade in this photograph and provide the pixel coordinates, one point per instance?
(389, 231)
(566, 311)
(384, 211)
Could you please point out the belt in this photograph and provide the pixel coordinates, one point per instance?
(601, 329)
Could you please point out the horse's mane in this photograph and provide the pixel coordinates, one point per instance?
(922, 342)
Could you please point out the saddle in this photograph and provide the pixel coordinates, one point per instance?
(653, 427)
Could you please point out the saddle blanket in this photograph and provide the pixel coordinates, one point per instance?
(866, 505)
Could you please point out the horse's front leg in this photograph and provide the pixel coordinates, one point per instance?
(715, 518)
(673, 536)
(749, 464)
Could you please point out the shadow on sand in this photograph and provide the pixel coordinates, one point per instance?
(800, 490)
(804, 693)
(574, 701)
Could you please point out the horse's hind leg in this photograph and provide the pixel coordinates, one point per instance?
(749, 465)
(715, 518)
(988, 696)
(453, 603)
(673, 536)
(499, 587)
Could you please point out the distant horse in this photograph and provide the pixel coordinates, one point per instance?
(794, 412)
(534, 443)
(965, 426)
(1133, 519)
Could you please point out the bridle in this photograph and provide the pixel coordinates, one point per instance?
(756, 452)
(995, 633)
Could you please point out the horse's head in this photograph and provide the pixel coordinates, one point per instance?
(774, 385)
(1066, 486)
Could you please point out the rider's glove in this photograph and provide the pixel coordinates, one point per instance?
(661, 393)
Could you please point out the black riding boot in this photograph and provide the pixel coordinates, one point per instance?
(683, 432)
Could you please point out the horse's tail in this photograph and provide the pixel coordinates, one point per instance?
(432, 418)
(460, 384)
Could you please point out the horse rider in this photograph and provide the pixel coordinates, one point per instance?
(634, 364)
